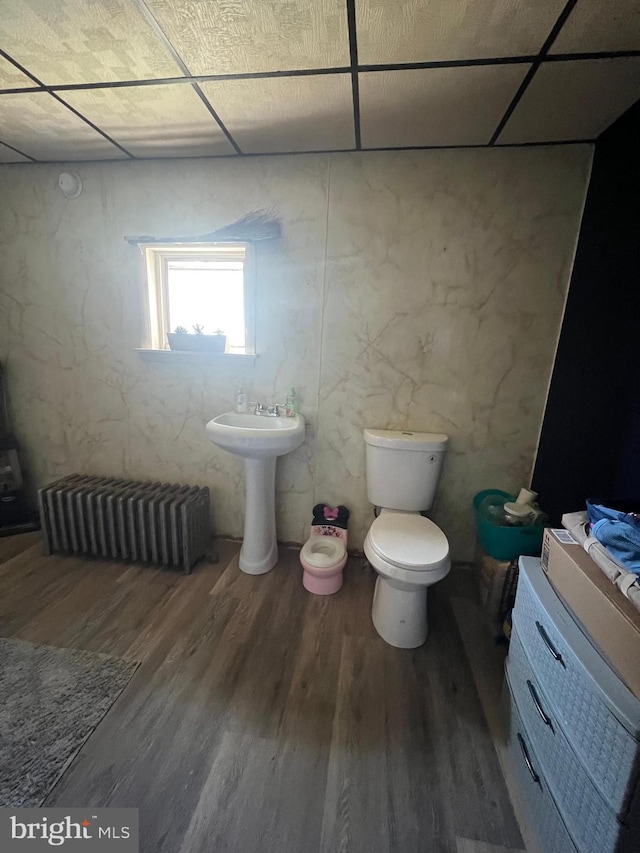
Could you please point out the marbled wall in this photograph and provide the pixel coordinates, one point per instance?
(419, 290)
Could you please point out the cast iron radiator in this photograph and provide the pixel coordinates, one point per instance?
(158, 523)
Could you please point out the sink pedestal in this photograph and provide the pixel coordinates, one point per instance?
(259, 552)
(259, 441)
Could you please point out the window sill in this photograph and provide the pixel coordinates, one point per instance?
(166, 355)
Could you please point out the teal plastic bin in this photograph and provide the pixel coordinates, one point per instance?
(506, 543)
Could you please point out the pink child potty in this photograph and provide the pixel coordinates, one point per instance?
(324, 554)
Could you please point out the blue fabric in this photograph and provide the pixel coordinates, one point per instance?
(619, 532)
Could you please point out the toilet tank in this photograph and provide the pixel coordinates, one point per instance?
(403, 468)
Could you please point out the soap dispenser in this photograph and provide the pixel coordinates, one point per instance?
(291, 403)
(242, 405)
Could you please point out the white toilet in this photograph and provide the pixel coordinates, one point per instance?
(408, 551)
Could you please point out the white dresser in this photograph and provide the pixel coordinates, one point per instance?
(574, 729)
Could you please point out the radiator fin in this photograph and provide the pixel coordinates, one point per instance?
(145, 522)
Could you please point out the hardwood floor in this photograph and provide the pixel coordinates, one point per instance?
(263, 718)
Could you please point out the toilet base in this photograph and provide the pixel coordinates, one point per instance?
(322, 584)
(400, 614)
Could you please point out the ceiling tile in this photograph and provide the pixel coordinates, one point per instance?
(83, 41)
(573, 100)
(228, 37)
(435, 106)
(10, 77)
(597, 26)
(42, 127)
(154, 121)
(8, 155)
(286, 113)
(394, 31)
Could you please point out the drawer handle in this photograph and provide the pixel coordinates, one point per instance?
(539, 708)
(527, 760)
(545, 637)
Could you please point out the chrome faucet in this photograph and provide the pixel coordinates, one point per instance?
(266, 411)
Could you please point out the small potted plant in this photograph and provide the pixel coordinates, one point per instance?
(182, 340)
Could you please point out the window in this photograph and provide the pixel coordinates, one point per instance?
(207, 285)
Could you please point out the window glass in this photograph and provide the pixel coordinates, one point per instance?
(209, 293)
(209, 285)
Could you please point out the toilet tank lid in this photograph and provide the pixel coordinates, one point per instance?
(405, 439)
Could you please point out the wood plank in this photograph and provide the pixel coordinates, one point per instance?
(261, 795)
(264, 718)
(32, 582)
(155, 748)
(11, 546)
(467, 762)
(238, 800)
(416, 790)
(486, 661)
(355, 599)
(310, 703)
(468, 845)
(355, 813)
(259, 699)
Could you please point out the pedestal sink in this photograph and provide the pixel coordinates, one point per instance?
(259, 439)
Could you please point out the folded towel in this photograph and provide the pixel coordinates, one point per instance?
(577, 523)
(619, 532)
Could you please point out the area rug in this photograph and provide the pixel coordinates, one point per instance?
(50, 702)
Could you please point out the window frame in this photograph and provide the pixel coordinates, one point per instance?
(156, 258)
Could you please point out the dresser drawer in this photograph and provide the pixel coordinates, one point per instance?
(542, 816)
(545, 728)
(596, 711)
(591, 822)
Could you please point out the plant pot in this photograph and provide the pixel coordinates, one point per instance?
(196, 343)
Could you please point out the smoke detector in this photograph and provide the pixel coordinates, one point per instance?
(70, 184)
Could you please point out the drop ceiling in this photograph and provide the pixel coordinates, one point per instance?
(87, 80)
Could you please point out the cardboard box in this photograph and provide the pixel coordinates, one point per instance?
(609, 619)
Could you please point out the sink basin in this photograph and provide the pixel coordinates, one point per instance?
(259, 440)
(256, 436)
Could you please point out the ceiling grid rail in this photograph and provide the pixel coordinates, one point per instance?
(18, 151)
(562, 17)
(354, 70)
(355, 83)
(151, 19)
(45, 88)
(523, 59)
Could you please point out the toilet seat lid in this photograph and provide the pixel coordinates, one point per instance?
(408, 541)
